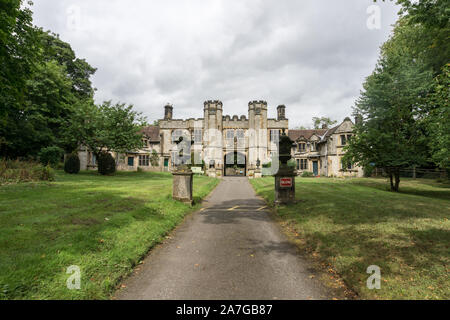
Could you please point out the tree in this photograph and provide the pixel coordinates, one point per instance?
(82, 127)
(318, 122)
(393, 132)
(19, 55)
(323, 121)
(50, 156)
(434, 17)
(438, 121)
(154, 158)
(50, 101)
(40, 81)
(105, 128)
(433, 47)
(77, 70)
(122, 127)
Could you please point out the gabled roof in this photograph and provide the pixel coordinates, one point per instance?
(333, 130)
(330, 132)
(294, 135)
(152, 133)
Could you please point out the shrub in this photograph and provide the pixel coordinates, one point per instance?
(368, 170)
(291, 163)
(47, 173)
(72, 164)
(59, 166)
(267, 165)
(106, 164)
(14, 171)
(307, 174)
(154, 158)
(50, 156)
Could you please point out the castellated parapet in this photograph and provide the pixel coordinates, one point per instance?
(213, 104)
(257, 103)
(235, 122)
(214, 129)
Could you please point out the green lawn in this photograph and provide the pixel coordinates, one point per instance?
(103, 224)
(349, 224)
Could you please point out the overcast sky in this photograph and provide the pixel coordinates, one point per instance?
(311, 55)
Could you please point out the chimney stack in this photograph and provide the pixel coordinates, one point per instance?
(168, 111)
(281, 111)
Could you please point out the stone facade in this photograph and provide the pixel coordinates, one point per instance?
(235, 145)
(320, 151)
(216, 137)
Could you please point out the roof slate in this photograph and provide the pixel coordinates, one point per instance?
(152, 132)
(307, 134)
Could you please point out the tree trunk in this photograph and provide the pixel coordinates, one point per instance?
(394, 178)
(397, 179)
(391, 178)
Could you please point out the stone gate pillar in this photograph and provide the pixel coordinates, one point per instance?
(285, 186)
(285, 177)
(183, 186)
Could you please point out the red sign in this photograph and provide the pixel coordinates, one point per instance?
(286, 182)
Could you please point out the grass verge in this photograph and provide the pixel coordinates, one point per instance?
(103, 224)
(351, 224)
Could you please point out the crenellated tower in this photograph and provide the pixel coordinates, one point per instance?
(213, 126)
(257, 140)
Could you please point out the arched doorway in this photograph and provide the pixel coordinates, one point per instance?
(235, 164)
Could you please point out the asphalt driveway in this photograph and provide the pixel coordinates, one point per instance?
(230, 249)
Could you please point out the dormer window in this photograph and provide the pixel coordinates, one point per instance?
(302, 147)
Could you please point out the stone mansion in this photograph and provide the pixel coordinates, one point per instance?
(236, 145)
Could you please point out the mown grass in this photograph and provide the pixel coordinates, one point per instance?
(103, 224)
(352, 224)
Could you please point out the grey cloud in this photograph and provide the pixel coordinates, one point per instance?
(310, 55)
